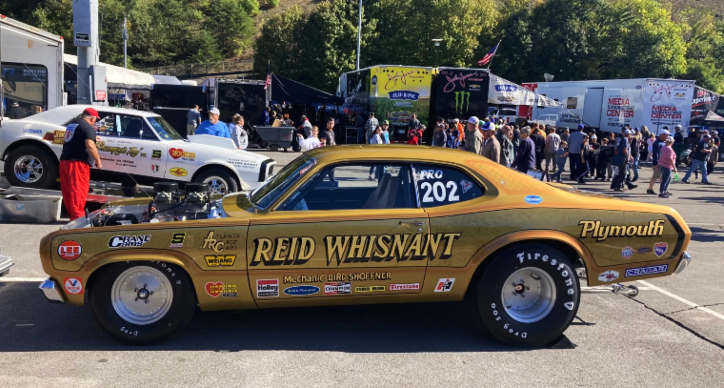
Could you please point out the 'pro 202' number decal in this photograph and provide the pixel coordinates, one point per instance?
(439, 191)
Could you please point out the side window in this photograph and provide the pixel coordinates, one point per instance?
(123, 126)
(440, 185)
(107, 125)
(355, 187)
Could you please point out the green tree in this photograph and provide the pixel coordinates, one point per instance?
(229, 24)
(278, 43)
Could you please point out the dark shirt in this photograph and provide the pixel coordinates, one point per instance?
(16, 113)
(540, 143)
(414, 124)
(678, 138)
(516, 138)
(697, 154)
(265, 118)
(329, 138)
(74, 147)
(620, 158)
(526, 155)
(635, 143)
(656, 151)
(441, 139)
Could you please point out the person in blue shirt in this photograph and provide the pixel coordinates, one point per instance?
(213, 126)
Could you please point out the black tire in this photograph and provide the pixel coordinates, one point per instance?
(263, 144)
(48, 161)
(180, 313)
(231, 182)
(274, 147)
(296, 147)
(486, 296)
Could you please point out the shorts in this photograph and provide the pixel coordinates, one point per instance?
(657, 173)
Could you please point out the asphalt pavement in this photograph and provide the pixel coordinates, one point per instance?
(670, 335)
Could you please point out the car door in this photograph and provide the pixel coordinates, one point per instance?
(129, 145)
(443, 191)
(350, 230)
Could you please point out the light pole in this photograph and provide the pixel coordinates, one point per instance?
(437, 48)
(124, 35)
(359, 33)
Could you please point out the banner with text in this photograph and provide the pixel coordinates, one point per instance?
(621, 105)
(461, 93)
(667, 103)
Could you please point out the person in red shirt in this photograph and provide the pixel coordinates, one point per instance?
(412, 138)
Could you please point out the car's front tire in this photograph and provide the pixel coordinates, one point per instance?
(31, 166)
(142, 302)
(220, 181)
(528, 295)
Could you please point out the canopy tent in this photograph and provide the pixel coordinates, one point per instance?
(288, 90)
(118, 77)
(165, 80)
(502, 91)
(711, 120)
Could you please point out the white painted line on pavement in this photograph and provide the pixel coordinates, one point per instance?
(19, 280)
(682, 300)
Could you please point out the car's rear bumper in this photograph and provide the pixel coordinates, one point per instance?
(5, 264)
(51, 291)
(683, 263)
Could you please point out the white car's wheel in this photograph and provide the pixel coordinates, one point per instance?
(30, 166)
(220, 181)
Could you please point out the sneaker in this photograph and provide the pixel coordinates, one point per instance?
(687, 182)
(650, 192)
(663, 196)
(669, 194)
(632, 187)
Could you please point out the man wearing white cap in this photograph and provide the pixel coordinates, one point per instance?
(473, 137)
(213, 126)
(621, 158)
(655, 155)
(491, 145)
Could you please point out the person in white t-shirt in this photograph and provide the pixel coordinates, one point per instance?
(311, 142)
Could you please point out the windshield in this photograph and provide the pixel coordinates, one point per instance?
(267, 193)
(164, 129)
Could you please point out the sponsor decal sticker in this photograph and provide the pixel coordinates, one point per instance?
(660, 248)
(128, 241)
(220, 260)
(180, 153)
(177, 240)
(69, 130)
(465, 185)
(155, 168)
(73, 286)
(627, 252)
(19, 207)
(216, 289)
(33, 131)
(220, 242)
(301, 290)
(445, 285)
(178, 171)
(267, 288)
(608, 276)
(338, 277)
(533, 199)
(69, 250)
(337, 288)
(404, 287)
(594, 229)
(369, 289)
(654, 269)
(643, 250)
(404, 95)
(156, 154)
(58, 137)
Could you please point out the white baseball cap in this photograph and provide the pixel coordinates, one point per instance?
(488, 126)
(214, 111)
(627, 132)
(665, 132)
(474, 120)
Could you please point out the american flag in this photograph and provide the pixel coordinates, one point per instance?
(489, 56)
(268, 81)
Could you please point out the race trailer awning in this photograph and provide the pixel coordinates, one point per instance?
(118, 77)
(288, 90)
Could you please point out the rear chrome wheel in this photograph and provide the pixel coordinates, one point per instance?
(28, 169)
(31, 166)
(141, 295)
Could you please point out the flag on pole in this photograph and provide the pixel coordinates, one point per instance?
(489, 56)
(268, 81)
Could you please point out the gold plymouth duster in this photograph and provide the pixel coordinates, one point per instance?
(362, 224)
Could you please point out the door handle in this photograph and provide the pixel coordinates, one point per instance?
(416, 223)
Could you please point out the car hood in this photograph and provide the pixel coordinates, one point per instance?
(238, 205)
(215, 144)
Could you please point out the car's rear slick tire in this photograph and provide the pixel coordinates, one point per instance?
(178, 314)
(512, 326)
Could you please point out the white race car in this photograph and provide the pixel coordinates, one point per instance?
(135, 146)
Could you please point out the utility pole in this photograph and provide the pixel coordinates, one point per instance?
(359, 33)
(85, 38)
(124, 34)
(437, 48)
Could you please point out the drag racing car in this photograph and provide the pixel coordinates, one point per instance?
(135, 146)
(357, 225)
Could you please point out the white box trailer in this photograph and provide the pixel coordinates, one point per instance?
(31, 61)
(608, 105)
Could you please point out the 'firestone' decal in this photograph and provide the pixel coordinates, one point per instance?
(601, 233)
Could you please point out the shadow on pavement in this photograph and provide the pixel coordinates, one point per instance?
(705, 235)
(714, 200)
(28, 323)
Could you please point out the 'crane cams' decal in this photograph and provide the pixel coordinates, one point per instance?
(354, 249)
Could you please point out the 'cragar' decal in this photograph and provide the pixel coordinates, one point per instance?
(354, 249)
(601, 233)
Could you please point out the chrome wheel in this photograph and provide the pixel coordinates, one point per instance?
(28, 169)
(141, 295)
(217, 185)
(529, 295)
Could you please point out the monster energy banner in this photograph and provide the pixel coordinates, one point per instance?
(461, 93)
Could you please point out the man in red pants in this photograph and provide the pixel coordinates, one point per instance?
(78, 156)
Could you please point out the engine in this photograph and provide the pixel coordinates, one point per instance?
(168, 205)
